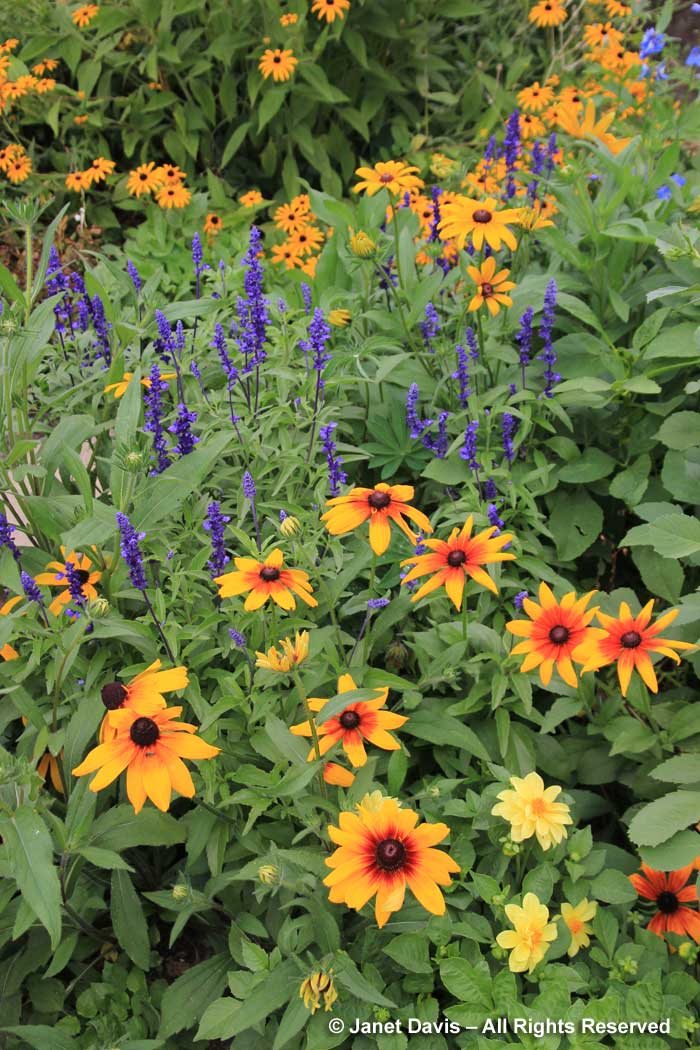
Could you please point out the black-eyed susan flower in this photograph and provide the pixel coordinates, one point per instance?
(306, 240)
(531, 935)
(536, 97)
(87, 573)
(337, 775)
(359, 721)
(318, 986)
(19, 168)
(491, 286)
(83, 16)
(553, 633)
(264, 580)
(100, 168)
(174, 195)
(590, 128)
(293, 216)
(600, 34)
(330, 9)
(144, 179)
(212, 224)
(380, 505)
(171, 174)
(531, 126)
(381, 850)
(79, 181)
(287, 254)
(251, 198)
(7, 652)
(627, 641)
(48, 765)
(531, 809)
(151, 749)
(290, 19)
(392, 175)
(145, 693)
(481, 221)
(288, 656)
(460, 557)
(576, 920)
(548, 13)
(672, 894)
(278, 64)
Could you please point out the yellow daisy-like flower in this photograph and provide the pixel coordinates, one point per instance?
(265, 580)
(553, 634)
(590, 128)
(548, 13)
(577, 919)
(339, 318)
(144, 179)
(151, 749)
(456, 559)
(120, 387)
(278, 64)
(491, 286)
(100, 169)
(292, 654)
(531, 126)
(535, 98)
(251, 199)
(392, 175)
(531, 935)
(87, 574)
(287, 254)
(306, 240)
(171, 174)
(212, 224)
(481, 221)
(19, 169)
(337, 775)
(174, 195)
(359, 721)
(381, 505)
(78, 181)
(330, 9)
(83, 16)
(530, 810)
(318, 985)
(289, 19)
(381, 851)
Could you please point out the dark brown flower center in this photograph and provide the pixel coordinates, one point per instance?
(482, 215)
(82, 575)
(456, 558)
(379, 500)
(143, 176)
(144, 732)
(349, 720)
(390, 854)
(113, 695)
(559, 635)
(386, 177)
(277, 58)
(630, 639)
(269, 573)
(667, 902)
(486, 289)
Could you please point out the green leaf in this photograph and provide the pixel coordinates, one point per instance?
(592, 465)
(681, 475)
(30, 852)
(671, 536)
(292, 1021)
(234, 143)
(43, 1036)
(129, 921)
(662, 576)
(410, 951)
(160, 497)
(681, 769)
(468, 983)
(631, 484)
(349, 976)
(103, 858)
(318, 81)
(575, 523)
(659, 820)
(681, 430)
(270, 105)
(444, 730)
(188, 997)
(225, 1018)
(120, 828)
(613, 887)
(681, 849)
(678, 341)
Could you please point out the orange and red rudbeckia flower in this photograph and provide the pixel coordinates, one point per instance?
(672, 894)
(627, 641)
(87, 574)
(266, 579)
(382, 504)
(553, 632)
(359, 721)
(380, 852)
(392, 175)
(457, 559)
(150, 748)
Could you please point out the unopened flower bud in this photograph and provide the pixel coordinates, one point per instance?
(362, 245)
(180, 891)
(290, 526)
(98, 607)
(134, 462)
(268, 874)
